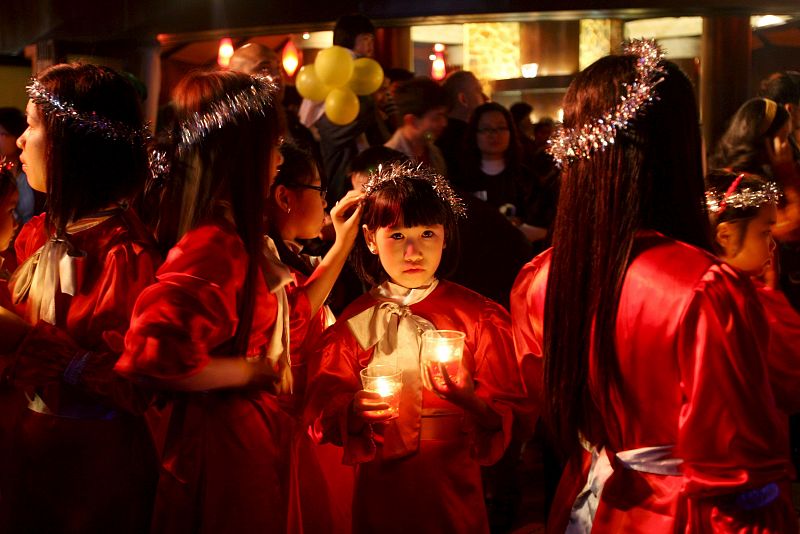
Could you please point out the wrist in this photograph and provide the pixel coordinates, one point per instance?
(355, 424)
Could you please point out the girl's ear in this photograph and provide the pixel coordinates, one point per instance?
(725, 236)
(281, 195)
(369, 237)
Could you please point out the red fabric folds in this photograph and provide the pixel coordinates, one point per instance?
(225, 453)
(438, 488)
(692, 345)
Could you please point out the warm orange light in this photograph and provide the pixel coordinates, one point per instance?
(438, 68)
(225, 52)
(290, 58)
(438, 47)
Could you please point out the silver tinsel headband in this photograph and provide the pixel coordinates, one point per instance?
(397, 172)
(251, 101)
(718, 201)
(569, 144)
(86, 121)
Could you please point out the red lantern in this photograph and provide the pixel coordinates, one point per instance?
(438, 67)
(290, 58)
(225, 52)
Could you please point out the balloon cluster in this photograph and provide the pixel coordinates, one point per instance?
(336, 78)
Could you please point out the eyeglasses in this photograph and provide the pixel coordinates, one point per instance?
(322, 191)
(487, 131)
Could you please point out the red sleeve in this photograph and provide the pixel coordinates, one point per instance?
(527, 313)
(783, 357)
(497, 382)
(333, 382)
(30, 238)
(731, 437)
(102, 320)
(190, 310)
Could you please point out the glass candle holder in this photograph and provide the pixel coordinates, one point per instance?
(386, 381)
(442, 346)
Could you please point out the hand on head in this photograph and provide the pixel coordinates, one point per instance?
(346, 216)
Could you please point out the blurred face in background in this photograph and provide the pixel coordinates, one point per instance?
(365, 45)
(493, 134)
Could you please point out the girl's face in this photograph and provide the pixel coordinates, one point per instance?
(410, 255)
(493, 134)
(751, 254)
(307, 203)
(33, 143)
(8, 222)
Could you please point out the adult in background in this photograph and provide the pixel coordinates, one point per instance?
(422, 104)
(464, 94)
(494, 171)
(784, 89)
(340, 144)
(255, 58)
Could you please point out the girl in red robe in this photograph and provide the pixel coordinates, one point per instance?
(214, 331)
(420, 471)
(320, 486)
(82, 459)
(655, 377)
(743, 213)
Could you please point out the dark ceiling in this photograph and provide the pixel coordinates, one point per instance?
(23, 22)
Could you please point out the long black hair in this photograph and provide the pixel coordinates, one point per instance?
(87, 170)
(226, 173)
(650, 178)
(741, 147)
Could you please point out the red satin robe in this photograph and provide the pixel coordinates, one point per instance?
(783, 356)
(225, 460)
(89, 465)
(321, 487)
(691, 341)
(436, 489)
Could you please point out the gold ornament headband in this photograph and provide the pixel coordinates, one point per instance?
(569, 144)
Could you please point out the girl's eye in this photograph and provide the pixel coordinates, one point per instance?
(428, 233)
(396, 235)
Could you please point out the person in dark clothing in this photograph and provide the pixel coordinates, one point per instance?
(464, 94)
(340, 144)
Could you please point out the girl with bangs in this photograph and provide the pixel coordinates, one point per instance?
(427, 456)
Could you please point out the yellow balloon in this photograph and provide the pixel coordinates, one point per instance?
(341, 106)
(334, 66)
(367, 76)
(309, 86)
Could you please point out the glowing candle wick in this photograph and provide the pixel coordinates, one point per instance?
(444, 353)
(383, 386)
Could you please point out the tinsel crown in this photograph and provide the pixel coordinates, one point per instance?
(251, 101)
(91, 122)
(718, 200)
(568, 144)
(400, 171)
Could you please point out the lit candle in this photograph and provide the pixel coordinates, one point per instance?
(444, 353)
(384, 387)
